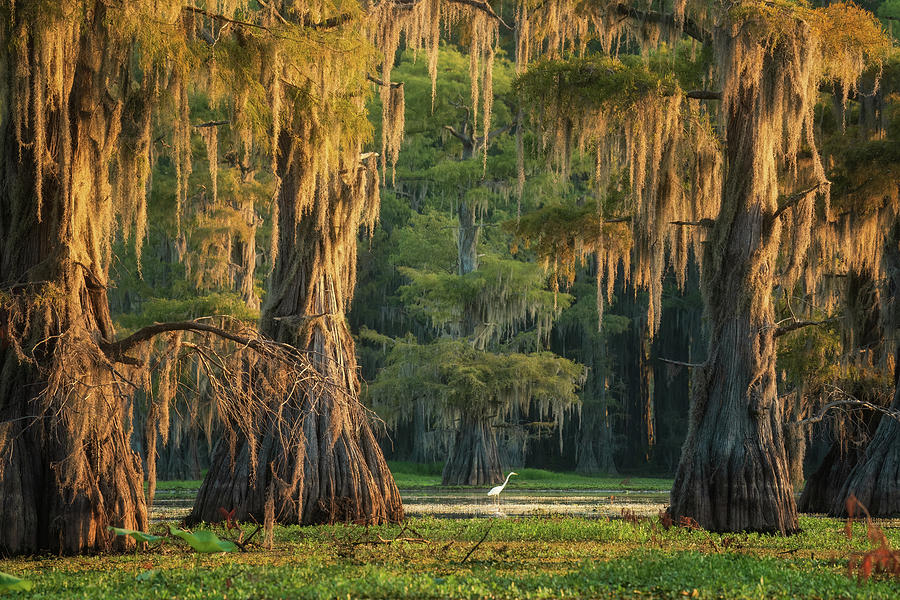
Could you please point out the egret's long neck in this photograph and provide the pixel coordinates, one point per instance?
(507, 479)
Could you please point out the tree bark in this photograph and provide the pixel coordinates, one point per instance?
(733, 474)
(474, 459)
(824, 486)
(595, 432)
(67, 470)
(467, 242)
(319, 461)
(245, 256)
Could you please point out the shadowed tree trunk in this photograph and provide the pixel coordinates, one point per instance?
(595, 439)
(474, 459)
(733, 473)
(826, 483)
(67, 470)
(595, 433)
(319, 461)
(874, 479)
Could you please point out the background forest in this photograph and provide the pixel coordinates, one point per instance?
(271, 244)
(465, 322)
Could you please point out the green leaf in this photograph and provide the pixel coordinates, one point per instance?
(204, 541)
(140, 536)
(8, 583)
(147, 575)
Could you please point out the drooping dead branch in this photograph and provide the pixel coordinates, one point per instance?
(852, 402)
(116, 350)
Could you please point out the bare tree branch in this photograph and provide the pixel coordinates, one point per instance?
(703, 95)
(682, 364)
(783, 329)
(851, 401)
(212, 124)
(700, 223)
(223, 18)
(481, 5)
(116, 350)
(378, 81)
(792, 200)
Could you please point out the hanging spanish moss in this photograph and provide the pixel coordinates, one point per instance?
(623, 110)
(419, 24)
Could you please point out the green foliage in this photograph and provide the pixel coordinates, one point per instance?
(157, 310)
(426, 243)
(417, 475)
(9, 583)
(582, 85)
(509, 291)
(581, 317)
(203, 541)
(452, 373)
(810, 355)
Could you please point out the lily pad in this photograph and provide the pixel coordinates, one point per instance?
(204, 541)
(8, 583)
(137, 535)
(148, 575)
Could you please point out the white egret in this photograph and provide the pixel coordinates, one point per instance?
(495, 491)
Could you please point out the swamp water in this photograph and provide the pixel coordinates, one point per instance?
(175, 504)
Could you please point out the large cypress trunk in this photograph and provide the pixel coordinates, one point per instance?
(474, 459)
(317, 460)
(874, 479)
(733, 474)
(66, 468)
(595, 432)
(825, 484)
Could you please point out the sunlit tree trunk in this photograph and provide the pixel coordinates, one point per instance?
(333, 471)
(733, 474)
(66, 468)
(245, 256)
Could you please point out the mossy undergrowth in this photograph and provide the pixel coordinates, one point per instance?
(442, 558)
